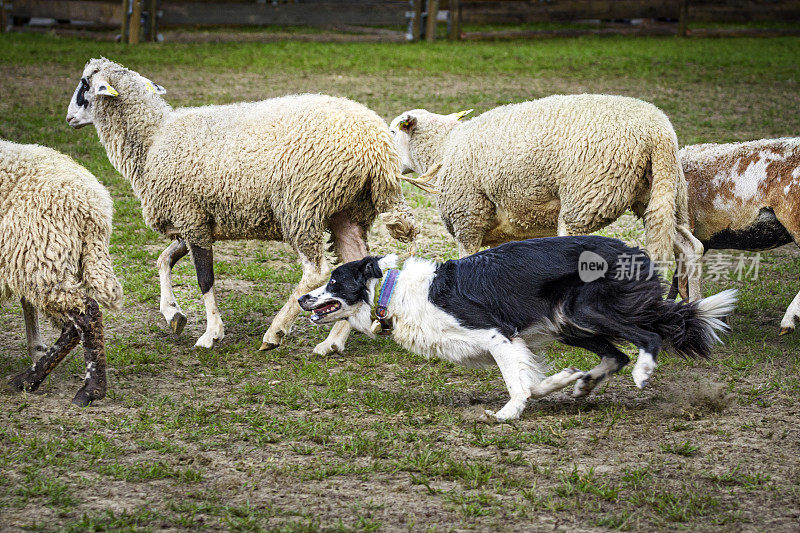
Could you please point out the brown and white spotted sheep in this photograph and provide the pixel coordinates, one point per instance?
(746, 196)
(55, 225)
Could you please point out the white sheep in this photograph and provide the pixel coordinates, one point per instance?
(746, 196)
(287, 169)
(565, 165)
(55, 225)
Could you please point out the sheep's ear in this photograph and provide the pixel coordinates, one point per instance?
(105, 88)
(154, 87)
(461, 114)
(407, 123)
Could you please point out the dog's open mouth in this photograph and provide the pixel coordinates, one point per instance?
(325, 309)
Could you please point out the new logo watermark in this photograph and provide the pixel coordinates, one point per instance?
(591, 266)
(715, 266)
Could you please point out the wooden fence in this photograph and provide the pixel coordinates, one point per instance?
(140, 19)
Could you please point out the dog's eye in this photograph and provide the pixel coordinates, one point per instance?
(333, 281)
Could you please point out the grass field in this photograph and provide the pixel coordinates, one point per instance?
(380, 439)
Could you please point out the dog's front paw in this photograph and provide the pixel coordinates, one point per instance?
(506, 414)
(328, 347)
(209, 339)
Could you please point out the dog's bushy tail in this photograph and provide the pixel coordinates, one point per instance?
(691, 329)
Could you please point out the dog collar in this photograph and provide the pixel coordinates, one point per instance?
(381, 323)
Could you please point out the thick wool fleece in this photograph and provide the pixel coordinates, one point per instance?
(277, 169)
(509, 173)
(732, 183)
(55, 225)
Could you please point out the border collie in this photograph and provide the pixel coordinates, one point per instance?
(497, 306)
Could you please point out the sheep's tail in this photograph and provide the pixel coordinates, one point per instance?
(423, 182)
(691, 330)
(98, 275)
(667, 195)
(387, 194)
(398, 218)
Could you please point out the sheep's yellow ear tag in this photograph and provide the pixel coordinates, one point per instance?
(462, 114)
(155, 88)
(107, 90)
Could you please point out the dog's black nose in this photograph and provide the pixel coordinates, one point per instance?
(302, 301)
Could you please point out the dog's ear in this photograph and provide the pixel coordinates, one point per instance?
(388, 261)
(370, 267)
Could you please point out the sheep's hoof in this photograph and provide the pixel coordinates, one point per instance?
(22, 382)
(85, 397)
(786, 331)
(177, 323)
(274, 342)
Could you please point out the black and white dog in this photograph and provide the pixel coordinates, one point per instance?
(498, 305)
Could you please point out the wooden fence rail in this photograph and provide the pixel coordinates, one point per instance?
(141, 18)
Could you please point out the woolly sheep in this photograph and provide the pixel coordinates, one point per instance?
(746, 196)
(287, 169)
(55, 225)
(565, 165)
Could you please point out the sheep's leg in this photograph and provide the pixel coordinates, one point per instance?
(169, 307)
(562, 225)
(31, 378)
(204, 265)
(524, 377)
(788, 321)
(467, 249)
(688, 252)
(315, 273)
(351, 245)
(36, 347)
(90, 327)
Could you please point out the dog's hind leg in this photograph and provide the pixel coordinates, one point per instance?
(524, 377)
(649, 345)
(611, 361)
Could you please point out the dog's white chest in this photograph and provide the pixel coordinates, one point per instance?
(423, 328)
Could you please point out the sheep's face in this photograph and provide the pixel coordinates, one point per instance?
(401, 130)
(94, 84)
(412, 127)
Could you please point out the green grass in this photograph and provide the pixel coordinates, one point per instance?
(377, 438)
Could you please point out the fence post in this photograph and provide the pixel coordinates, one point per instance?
(430, 22)
(3, 18)
(683, 18)
(136, 22)
(152, 26)
(416, 22)
(455, 20)
(123, 31)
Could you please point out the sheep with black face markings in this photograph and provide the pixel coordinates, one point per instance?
(566, 165)
(55, 225)
(287, 168)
